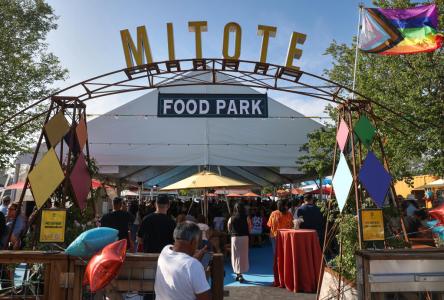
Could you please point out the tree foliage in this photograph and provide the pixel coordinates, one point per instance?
(318, 158)
(27, 69)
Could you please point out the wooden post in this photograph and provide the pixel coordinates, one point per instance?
(217, 276)
(56, 269)
(355, 177)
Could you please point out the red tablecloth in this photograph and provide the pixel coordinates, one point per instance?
(297, 260)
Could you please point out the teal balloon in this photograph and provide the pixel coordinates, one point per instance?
(91, 241)
(432, 223)
(438, 229)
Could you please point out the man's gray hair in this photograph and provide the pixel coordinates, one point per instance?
(186, 231)
(6, 200)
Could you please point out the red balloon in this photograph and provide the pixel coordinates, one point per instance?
(104, 266)
(438, 213)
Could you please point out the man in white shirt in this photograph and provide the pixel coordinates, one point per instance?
(179, 274)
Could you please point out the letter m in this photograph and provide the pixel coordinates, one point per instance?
(130, 50)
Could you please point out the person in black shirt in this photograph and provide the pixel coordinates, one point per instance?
(313, 218)
(119, 220)
(156, 230)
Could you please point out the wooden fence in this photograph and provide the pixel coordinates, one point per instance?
(63, 275)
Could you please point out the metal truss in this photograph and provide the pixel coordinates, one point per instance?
(188, 72)
(207, 71)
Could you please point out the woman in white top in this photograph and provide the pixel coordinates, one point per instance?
(204, 228)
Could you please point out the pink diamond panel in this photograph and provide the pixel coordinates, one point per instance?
(342, 135)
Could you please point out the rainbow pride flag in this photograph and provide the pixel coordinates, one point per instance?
(400, 31)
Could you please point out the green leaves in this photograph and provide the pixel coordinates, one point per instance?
(27, 69)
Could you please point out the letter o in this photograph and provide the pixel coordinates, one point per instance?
(232, 27)
(176, 104)
(189, 110)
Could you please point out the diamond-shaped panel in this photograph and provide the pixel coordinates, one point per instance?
(45, 177)
(56, 128)
(80, 181)
(81, 133)
(342, 181)
(71, 141)
(342, 135)
(365, 130)
(375, 179)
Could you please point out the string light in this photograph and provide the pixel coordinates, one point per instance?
(196, 144)
(145, 116)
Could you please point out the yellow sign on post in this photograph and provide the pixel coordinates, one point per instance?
(53, 225)
(372, 225)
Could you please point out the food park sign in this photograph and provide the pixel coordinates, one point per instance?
(210, 105)
(213, 105)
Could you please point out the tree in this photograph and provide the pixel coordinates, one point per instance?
(27, 69)
(317, 162)
(412, 85)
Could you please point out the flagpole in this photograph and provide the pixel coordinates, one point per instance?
(361, 7)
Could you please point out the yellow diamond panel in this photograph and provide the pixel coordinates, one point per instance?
(45, 177)
(56, 128)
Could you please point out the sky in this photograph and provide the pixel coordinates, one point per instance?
(87, 40)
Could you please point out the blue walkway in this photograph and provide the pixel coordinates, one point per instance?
(261, 268)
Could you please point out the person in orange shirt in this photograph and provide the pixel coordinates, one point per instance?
(279, 219)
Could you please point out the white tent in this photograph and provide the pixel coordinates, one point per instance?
(131, 143)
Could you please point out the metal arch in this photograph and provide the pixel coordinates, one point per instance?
(188, 72)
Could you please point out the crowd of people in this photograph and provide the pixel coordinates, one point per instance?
(181, 234)
(185, 238)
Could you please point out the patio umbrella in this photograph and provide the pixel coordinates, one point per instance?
(212, 195)
(16, 186)
(296, 191)
(204, 180)
(435, 184)
(95, 184)
(282, 192)
(326, 190)
(234, 195)
(250, 194)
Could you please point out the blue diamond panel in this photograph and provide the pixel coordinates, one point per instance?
(375, 178)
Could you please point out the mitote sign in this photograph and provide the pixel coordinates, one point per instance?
(213, 105)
